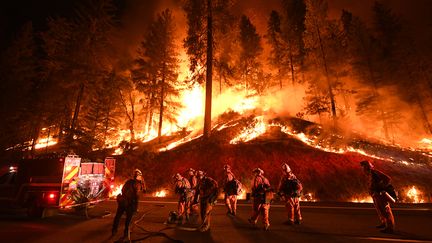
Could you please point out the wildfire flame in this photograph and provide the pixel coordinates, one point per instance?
(161, 193)
(115, 190)
(308, 197)
(249, 133)
(362, 199)
(414, 195)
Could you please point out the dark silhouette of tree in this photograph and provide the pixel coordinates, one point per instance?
(250, 51)
(316, 26)
(19, 83)
(156, 73)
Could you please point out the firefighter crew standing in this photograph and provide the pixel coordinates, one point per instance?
(261, 198)
(379, 188)
(208, 192)
(182, 188)
(232, 188)
(290, 189)
(127, 202)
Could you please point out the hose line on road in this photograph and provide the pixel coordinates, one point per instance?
(149, 233)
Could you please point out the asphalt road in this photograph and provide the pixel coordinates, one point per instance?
(322, 223)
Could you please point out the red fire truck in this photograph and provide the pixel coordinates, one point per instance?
(56, 182)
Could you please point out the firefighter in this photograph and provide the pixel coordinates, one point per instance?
(193, 181)
(182, 188)
(127, 202)
(290, 189)
(208, 192)
(381, 191)
(261, 193)
(232, 188)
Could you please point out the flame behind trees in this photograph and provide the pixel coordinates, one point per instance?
(81, 83)
(156, 71)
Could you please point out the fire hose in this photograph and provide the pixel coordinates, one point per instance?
(149, 233)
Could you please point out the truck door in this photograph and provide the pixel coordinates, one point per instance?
(69, 179)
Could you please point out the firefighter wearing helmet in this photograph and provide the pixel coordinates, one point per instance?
(290, 190)
(262, 195)
(382, 193)
(232, 188)
(193, 180)
(208, 192)
(182, 188)
(127, 202)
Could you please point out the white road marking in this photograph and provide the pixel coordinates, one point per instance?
(390, 239)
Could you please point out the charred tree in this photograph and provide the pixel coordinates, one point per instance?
(209, 74)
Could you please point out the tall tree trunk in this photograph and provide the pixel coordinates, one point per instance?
(161, 107)
(330, 89)
(423, 111)
(132, 118)
(77, 108)
(209, 64)
(220, 79)
(292, 66)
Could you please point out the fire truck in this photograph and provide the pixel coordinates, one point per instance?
(60, 182)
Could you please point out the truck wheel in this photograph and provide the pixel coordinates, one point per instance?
(34, 210)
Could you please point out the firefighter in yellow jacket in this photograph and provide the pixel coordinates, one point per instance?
(382, 193)
(290, 189)
(208, 192)
(261, 193)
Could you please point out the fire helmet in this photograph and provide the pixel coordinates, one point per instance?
(190, 169)
(137, 172)
(286, 167)
(366, 164)
(258, 170)
(200, 173)
(177, 175)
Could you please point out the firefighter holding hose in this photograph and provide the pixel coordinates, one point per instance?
(127, 202)
(208, 192)
(382, 193)
(262, 195)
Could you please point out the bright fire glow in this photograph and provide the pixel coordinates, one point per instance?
(161, 193)
(308, 197)
(362, 199)
(193, 106)
(45, 142)
(249, 133)
(414, 195)
(116, 190)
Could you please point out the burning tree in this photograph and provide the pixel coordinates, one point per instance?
(156, 71)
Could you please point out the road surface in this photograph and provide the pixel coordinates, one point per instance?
(331, 222)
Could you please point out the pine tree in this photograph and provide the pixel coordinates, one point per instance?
(20, 101)
(316, 26)
(251, 49)
(156, 72)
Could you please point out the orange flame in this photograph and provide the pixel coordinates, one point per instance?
(414, 195)
(116, 190)
(161, 193)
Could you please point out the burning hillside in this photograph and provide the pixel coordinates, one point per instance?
(326, 161)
